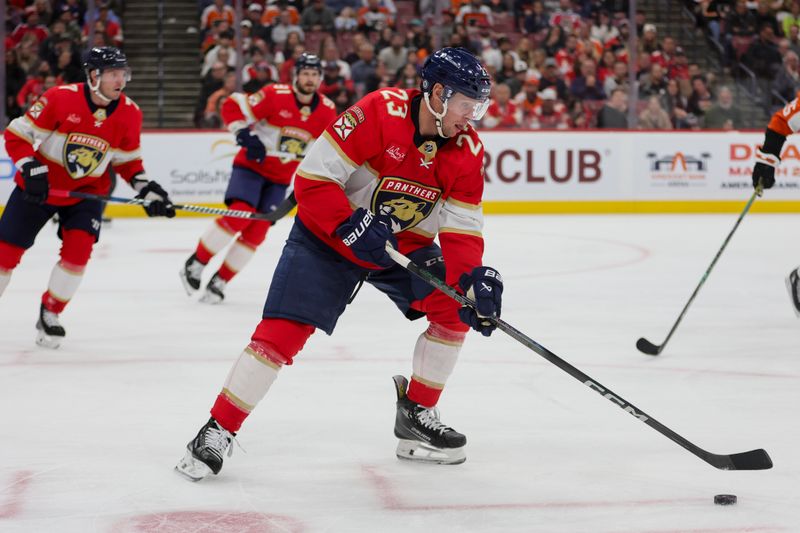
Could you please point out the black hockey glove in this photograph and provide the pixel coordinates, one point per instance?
(764, 173)
(255, 149)
(34, 175)
(768, 159)
(367, 234)
(160, 205)
(484, 286)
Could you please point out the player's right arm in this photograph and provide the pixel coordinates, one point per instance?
(35, 126)
(240, 111)
(784, 122)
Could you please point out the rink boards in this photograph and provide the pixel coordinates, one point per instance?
(529, 172)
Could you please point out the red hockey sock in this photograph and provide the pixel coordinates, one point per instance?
(422, 394)
(227, 414)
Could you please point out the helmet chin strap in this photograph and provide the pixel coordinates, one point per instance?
(95, 88)
(437, 117)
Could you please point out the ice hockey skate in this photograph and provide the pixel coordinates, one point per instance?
(793, 284)
(204, 452)
(215, 290)
(190, 274)
(49, 331)
(423, 437)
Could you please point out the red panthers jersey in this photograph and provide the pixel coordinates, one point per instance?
(78, 140)
(281, 122)
(373, 156)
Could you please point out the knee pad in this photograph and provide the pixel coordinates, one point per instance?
(76, 247)
(255, 232)
(279, 340)
(235, 225)
(10, 255)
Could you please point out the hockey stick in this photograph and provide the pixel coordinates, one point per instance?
(752, 460)
(644, 345)
(279, 212)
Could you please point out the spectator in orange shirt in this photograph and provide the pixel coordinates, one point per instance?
(502, 112)
(374, 17)
(528, 99)
(212, 117)
(217, 11)
(552, 114)
(273, 13)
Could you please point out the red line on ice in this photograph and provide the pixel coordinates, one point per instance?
(13, 503)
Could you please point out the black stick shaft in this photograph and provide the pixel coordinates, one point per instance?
(753, 460)
(279, 212)
(756, 193)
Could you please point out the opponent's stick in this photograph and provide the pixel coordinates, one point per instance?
(752, 460)
(644, 345)
(279, 212)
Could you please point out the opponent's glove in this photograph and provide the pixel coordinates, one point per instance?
(764, 169)
(484, 286)
(255, 149)
(366, 234)
(34, 175)
(160, 205)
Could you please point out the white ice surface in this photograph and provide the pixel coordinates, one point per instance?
(89, 433)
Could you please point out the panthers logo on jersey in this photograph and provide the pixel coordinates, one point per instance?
(294, 141)
(407, 203)
(83, 154)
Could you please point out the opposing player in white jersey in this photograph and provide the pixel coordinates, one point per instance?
(400, 167)
(275, 126)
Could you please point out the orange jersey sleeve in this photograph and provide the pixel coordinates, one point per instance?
(787, 119)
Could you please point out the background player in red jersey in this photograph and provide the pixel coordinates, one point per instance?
(81, 130)
(401, 167)
(784, 122)
(277, 118)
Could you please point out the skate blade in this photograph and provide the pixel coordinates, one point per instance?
(791, 294)
(186, 286)
(191, 468)
(48, 341)
(412, 450)
(210, 298)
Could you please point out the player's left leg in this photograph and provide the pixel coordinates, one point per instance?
(20, 223)
(79, 230)
(422, 436)
(243, 249)
(243, 193)
(310, 289)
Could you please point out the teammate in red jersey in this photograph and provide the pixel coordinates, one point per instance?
(275, 126)
(81, 130)
(784, 122)
(400, 167)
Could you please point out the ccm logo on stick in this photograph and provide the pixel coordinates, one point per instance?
(608, 396)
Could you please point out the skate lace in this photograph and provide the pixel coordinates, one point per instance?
(217, 440)
(195, 268)
(429, 418)
(50, 319)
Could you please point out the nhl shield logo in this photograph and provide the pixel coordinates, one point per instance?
(83, 154)
(406, 202)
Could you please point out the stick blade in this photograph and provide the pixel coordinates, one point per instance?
(752, 460)
(645, 346)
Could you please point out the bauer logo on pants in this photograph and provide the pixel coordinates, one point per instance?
(83, 154)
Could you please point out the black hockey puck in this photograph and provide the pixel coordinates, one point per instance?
(725, 499)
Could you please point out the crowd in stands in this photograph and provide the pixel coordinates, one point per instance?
(557, 64)
(44, 44)
(762, 35)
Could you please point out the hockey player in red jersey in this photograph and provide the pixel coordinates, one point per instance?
(67, 141)
(275, 126)
(400, 167)
(784, 122)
